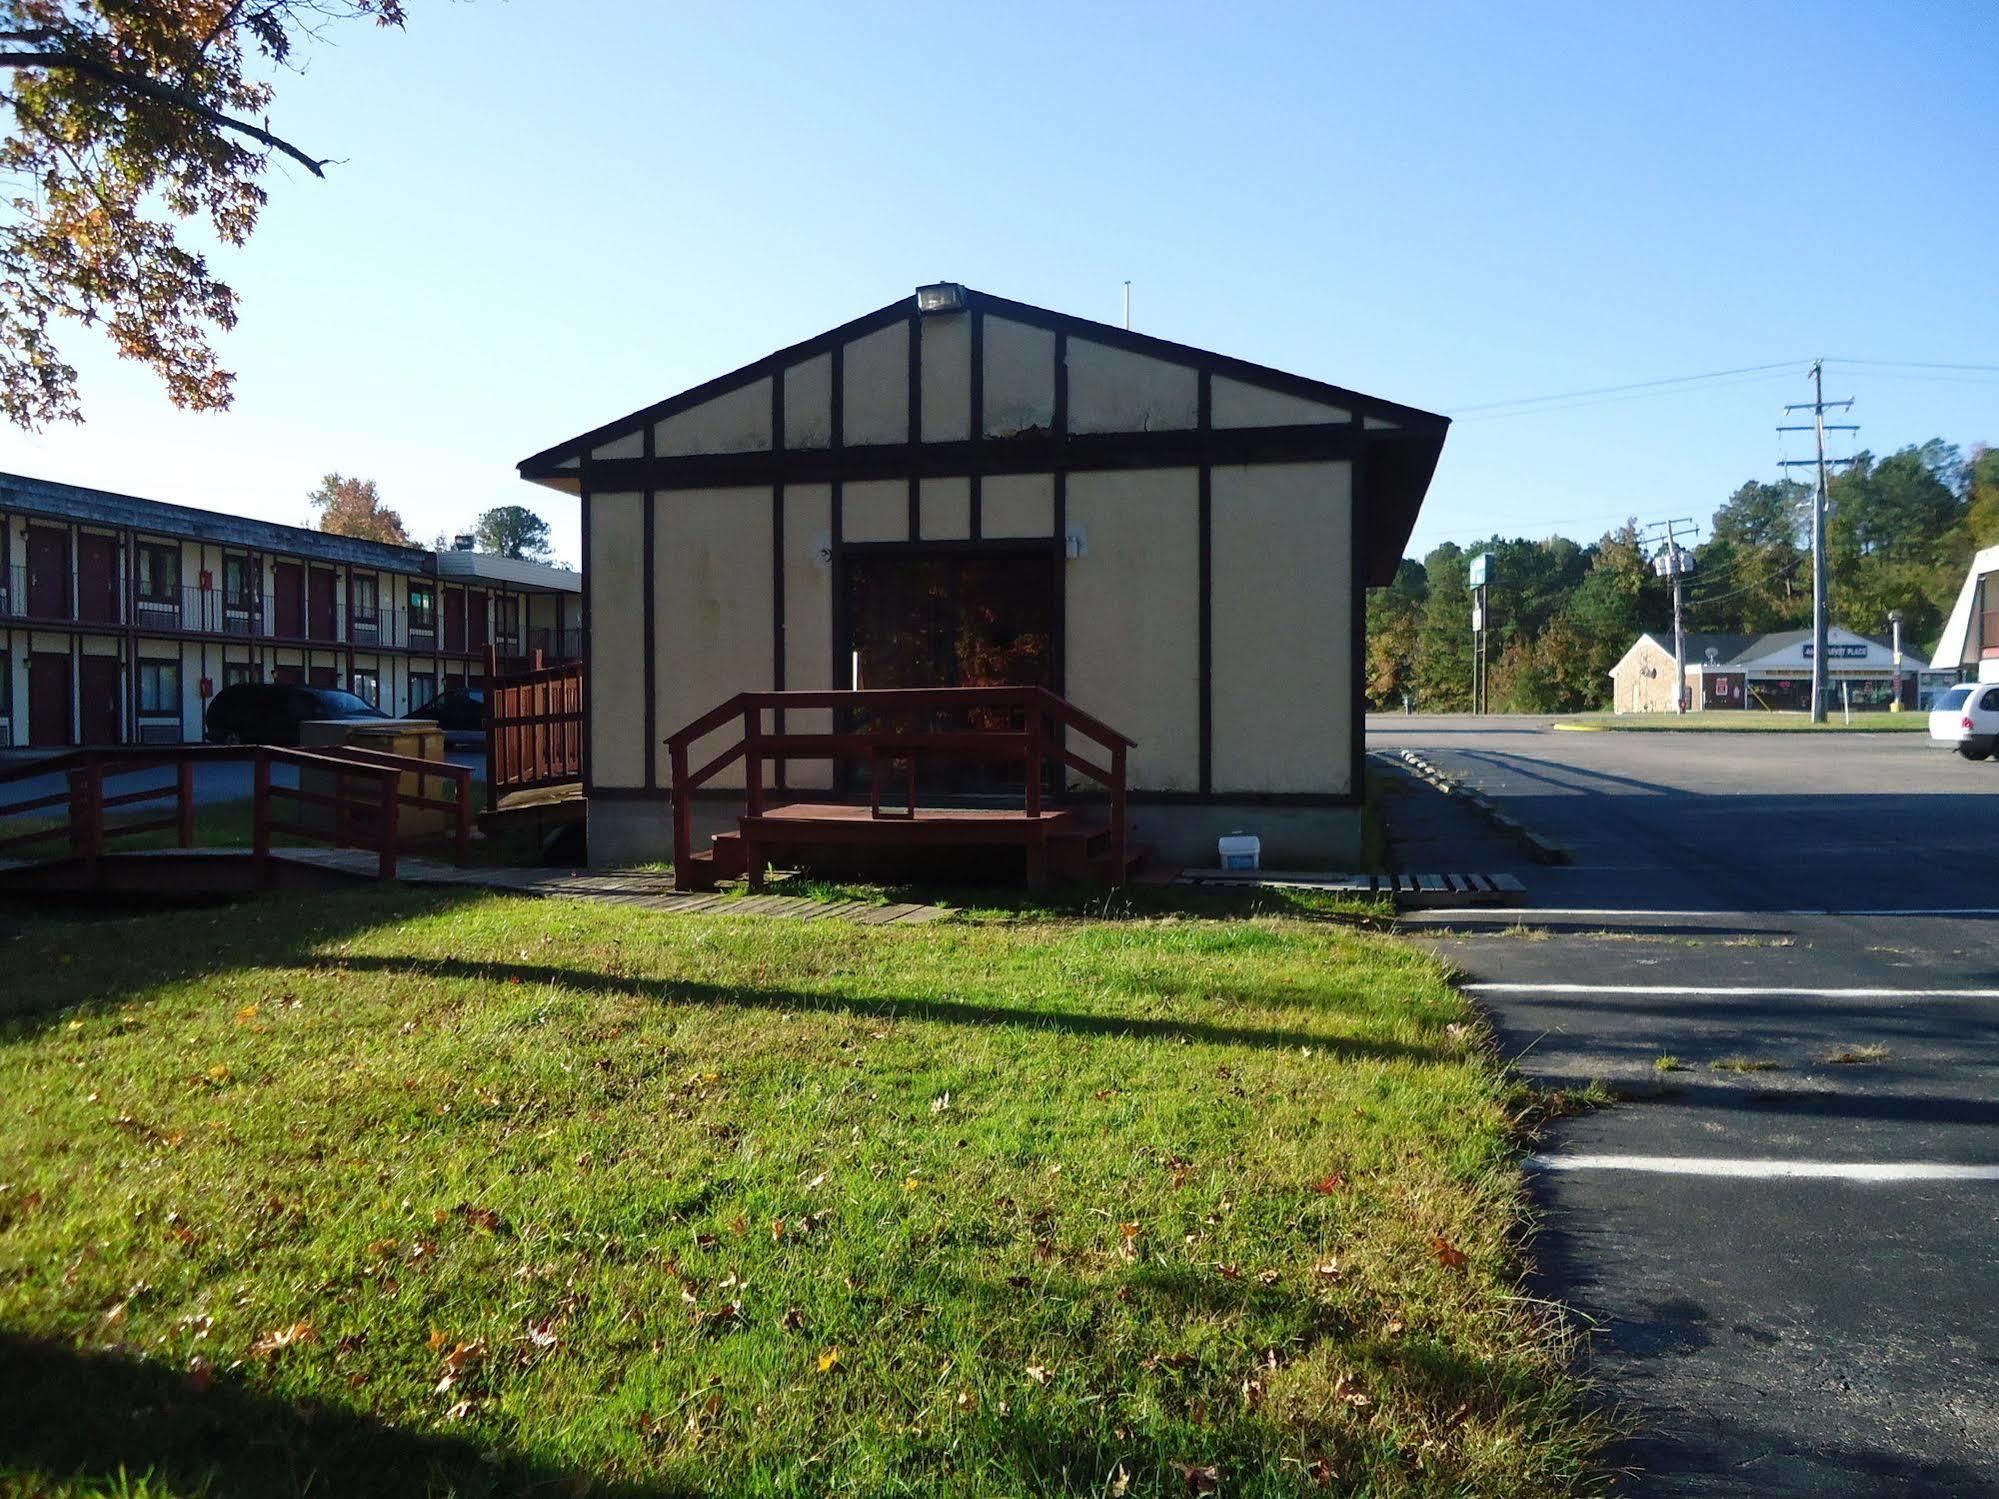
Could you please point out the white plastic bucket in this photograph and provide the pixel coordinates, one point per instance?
(1240, 851)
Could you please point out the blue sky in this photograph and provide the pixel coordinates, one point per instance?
(547, 215)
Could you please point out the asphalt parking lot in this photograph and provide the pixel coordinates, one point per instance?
(1784, 1263)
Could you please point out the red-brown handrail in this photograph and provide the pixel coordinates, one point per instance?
(367, 798)
(1032, 746)
(534, 726)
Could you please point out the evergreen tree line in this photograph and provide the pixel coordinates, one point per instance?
(1900, 533)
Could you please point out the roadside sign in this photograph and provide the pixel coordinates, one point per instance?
(1481, 568)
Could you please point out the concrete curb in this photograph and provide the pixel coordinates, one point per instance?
(1537, 846)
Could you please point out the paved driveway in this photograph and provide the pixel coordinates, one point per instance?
(1787, 1273)
(1695, 822)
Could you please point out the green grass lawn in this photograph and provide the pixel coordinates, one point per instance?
(430, 1194)
(1750, 721)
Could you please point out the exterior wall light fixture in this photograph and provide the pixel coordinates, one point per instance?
(940, 296)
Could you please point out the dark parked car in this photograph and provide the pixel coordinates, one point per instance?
(270, 712)
(457, 710)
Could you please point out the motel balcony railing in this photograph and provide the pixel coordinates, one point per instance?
(193, 610)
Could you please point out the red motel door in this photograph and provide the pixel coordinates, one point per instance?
(48, 701)
(98, 680)
(288, 586)
(48, 577)
(97, 579)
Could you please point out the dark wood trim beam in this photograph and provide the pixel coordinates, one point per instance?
(1040, 453)
(977, 434)
(649, 617)
(1205, 595)
(915, 411)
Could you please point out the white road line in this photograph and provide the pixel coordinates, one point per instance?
(1514, 914)
(1724, 991)
(1762, 1170)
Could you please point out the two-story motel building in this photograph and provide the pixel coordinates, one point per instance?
(121, 617)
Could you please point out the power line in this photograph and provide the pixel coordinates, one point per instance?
(1919, 364)
(1605, 394)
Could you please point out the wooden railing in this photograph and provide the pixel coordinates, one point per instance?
(364, 804)
(534, 726)
(1042, 714)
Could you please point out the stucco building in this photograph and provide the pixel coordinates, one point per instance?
(960, 489)
(120, 617)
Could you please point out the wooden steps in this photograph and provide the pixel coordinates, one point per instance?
(1069, 843)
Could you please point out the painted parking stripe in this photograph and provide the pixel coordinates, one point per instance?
(1512, 915)
(1766, 1170)
(1725, 991)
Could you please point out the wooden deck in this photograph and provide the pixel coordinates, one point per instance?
(1028, 727)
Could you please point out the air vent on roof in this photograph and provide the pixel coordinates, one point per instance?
(464, 543)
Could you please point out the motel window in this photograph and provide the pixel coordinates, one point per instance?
(423, 607)
(159, 687)
(159, 573)
(423, 687)
(238, 673)
(236, 575)
(364, 598)
(6, 685)
(507, 620)
(367, 686)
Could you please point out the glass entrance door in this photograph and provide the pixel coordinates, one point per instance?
(957, 618)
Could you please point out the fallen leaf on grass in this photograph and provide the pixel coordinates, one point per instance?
(829, 1361)
(1200, 1478)
(1331, 1182)
(1037, 1373)
(940, 1103)
(483, 1218)
(1448, 1254)
(280, 1338)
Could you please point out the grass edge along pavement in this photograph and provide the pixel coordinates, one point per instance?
(1744, 721)
(402, 1192)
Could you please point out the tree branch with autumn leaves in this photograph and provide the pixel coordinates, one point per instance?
(127, 121)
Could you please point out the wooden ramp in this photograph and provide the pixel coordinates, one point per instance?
(233, 871)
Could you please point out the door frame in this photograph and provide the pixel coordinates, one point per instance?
(845, 780)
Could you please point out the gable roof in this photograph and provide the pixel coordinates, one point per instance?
(1400, 451)
(1743, 650)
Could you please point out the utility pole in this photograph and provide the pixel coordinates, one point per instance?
(1674, 564)
(1127, 306)
(1818, 406)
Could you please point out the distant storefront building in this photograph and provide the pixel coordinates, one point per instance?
(1771, 672)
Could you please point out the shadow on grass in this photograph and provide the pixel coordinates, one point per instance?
(248, 932)
(87, 1417)
(946, 1012)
